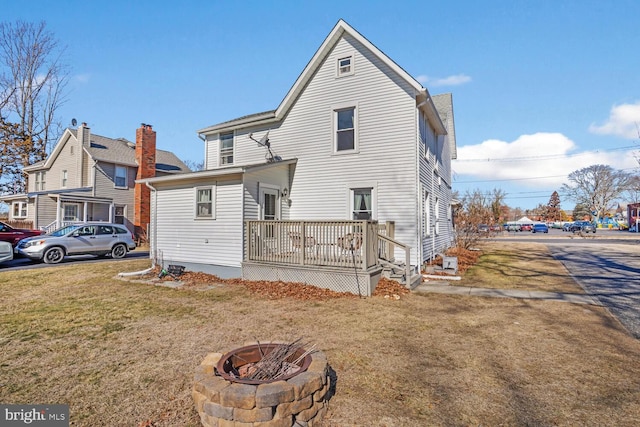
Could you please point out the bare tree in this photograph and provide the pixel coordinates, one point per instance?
(476, 208)
(597, 187)
(32, 83)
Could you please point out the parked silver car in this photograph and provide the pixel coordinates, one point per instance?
(79, 239)
(6, 251)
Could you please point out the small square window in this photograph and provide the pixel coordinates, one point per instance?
(345, 66)
(19, 209)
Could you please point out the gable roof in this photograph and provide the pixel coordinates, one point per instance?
(119, 151)
(307, 74)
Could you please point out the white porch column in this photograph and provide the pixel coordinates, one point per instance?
(112, 208)
(58, 212)
(84, 213)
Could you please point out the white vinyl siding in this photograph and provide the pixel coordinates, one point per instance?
(182, 238)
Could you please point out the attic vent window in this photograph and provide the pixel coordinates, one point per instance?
(345, 66)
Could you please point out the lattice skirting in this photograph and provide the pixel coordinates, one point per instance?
(336, 279)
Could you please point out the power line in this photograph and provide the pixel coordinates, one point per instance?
(544, 157)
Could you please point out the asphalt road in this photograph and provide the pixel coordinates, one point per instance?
(609, 272)
(25, 263)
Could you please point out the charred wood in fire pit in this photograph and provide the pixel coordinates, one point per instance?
(277, 363)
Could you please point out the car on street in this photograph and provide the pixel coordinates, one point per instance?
(525, 227)
(582, 226)
(99, 239)
(540, 228)
(512, 227)
(6, 251)
(566, 226)
(14, 235)
(483, 228)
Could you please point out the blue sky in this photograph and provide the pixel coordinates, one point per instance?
(540, 89)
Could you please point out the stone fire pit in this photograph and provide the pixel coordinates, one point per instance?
(300, 398)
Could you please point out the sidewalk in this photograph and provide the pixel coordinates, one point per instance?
(444, 288)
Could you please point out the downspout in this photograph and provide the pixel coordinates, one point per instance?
(418, 197)
(154, 244)
(93, 178)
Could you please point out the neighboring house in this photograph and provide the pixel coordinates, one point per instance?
(90, 177)
(355, 138)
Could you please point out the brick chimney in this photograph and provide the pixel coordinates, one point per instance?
(146, 160)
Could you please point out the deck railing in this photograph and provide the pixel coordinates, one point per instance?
(313, 243)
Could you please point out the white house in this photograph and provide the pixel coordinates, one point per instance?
(355, 138)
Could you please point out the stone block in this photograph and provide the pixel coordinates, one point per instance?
(277, 422)
(308, 414)
(211, 359)
(306, 384)
(253, 415)
(292, 408)
(218, 411)
(273, 394)
(202, 372)
(211, 387)
(229, 423)
(320, 394)
(198, 399)
(241, 396)
(208, 420)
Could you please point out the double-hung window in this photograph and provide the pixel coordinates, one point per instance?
(362, 203)
(19, 209)
(205, 202)
(345, 132)
(226, 148)
(40, 181)
(120, 179)
(65, 178)
(426, 213)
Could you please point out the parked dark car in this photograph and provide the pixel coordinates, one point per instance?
(14, 235)
(582, 226)
(540, 228)
(566, 226)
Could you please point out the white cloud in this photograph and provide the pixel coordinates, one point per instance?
(541, 159)
(623, 121)
(456, 80)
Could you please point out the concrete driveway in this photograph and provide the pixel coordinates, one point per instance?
(609, 273)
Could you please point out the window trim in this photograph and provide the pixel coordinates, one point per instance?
(339, 72)
(426, 213)
(334, 112)
(126, 176)
(64, 178)
(213, 203)
(225, 150)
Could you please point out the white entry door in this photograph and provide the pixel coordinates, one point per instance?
(269, 204)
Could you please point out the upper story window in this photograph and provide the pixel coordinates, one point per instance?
(120, 179)
(64, 179)
(40, 178)
(345, 122)
(205, 202)
(19, 209)
(226, 148)
(345, 66)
